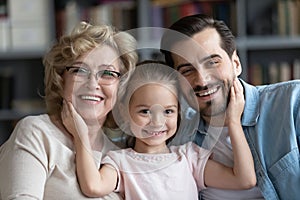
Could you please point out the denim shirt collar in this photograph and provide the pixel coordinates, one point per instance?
(251, 109)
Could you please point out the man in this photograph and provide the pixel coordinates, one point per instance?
(203, 50)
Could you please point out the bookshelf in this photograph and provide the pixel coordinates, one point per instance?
(24, 38)
(268, 40)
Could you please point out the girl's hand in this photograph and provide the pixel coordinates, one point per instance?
(73, 122)
(236, 104)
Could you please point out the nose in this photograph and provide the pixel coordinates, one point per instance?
(158, 118)
(93, 81)
(202, 76)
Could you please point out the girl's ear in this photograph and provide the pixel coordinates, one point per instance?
(236, 63)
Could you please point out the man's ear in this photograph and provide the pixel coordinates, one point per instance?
(236, 63)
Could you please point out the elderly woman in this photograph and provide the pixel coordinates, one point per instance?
(83, 68)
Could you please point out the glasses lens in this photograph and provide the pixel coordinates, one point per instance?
(104, 77)
(79, 73)
(108, 76)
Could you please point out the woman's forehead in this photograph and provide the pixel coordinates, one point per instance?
(102, 55)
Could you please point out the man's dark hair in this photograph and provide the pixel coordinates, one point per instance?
(190, 25)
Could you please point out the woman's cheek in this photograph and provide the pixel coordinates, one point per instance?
(113, 94)
(68, 92)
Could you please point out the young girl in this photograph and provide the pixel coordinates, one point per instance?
(148, 107)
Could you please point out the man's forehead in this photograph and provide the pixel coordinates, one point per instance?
(203, 43)
(193, 52)
(188, 51)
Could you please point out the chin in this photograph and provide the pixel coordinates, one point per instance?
(91, 116)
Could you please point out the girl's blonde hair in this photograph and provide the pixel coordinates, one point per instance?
(69, 48)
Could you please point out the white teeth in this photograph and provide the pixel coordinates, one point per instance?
(156, 133)
(91, 98)
(209, 92)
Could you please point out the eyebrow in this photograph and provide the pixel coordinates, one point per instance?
(79, 63)
(166, 107)
(202, 60)
(86, 65)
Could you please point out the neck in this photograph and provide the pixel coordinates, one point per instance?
(94, 134)
(57, 121)
(142, 147)
(218, 120)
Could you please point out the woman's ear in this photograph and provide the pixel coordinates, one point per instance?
(236, 63)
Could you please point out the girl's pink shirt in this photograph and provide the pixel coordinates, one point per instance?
(175, 175)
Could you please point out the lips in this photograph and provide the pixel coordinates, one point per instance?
(207, 92)
(91, 98)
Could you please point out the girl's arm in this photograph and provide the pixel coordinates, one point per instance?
(93, 182)
(242, 175)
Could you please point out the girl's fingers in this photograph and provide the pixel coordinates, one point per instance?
(232, 92)
(64, 110)
(70, 108)
(238, 86)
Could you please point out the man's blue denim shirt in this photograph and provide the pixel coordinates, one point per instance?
(271, 122)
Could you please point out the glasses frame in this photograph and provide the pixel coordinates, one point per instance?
(97, 76)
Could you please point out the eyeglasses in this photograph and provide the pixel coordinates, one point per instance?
(105, 77)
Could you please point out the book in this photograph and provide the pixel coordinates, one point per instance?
(288, 17)
(4, 34)
(156, 21)
(101, 14)
(6, 90)
(187, 9)
(256, 74)
(273, 74)
(296, 69)
(285, 71)
(282, 17)
(293, 19)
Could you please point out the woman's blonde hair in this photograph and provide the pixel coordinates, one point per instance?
(69, 48)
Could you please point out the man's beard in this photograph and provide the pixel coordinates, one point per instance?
(213, 108)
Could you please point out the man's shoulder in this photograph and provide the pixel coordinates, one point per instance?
(291, 87)
(285, 86)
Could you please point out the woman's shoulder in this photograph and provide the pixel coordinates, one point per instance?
(32, 128)
(28, 134)
(32, 120)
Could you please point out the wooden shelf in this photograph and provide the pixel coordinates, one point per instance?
(267, 42)
(22, 54)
